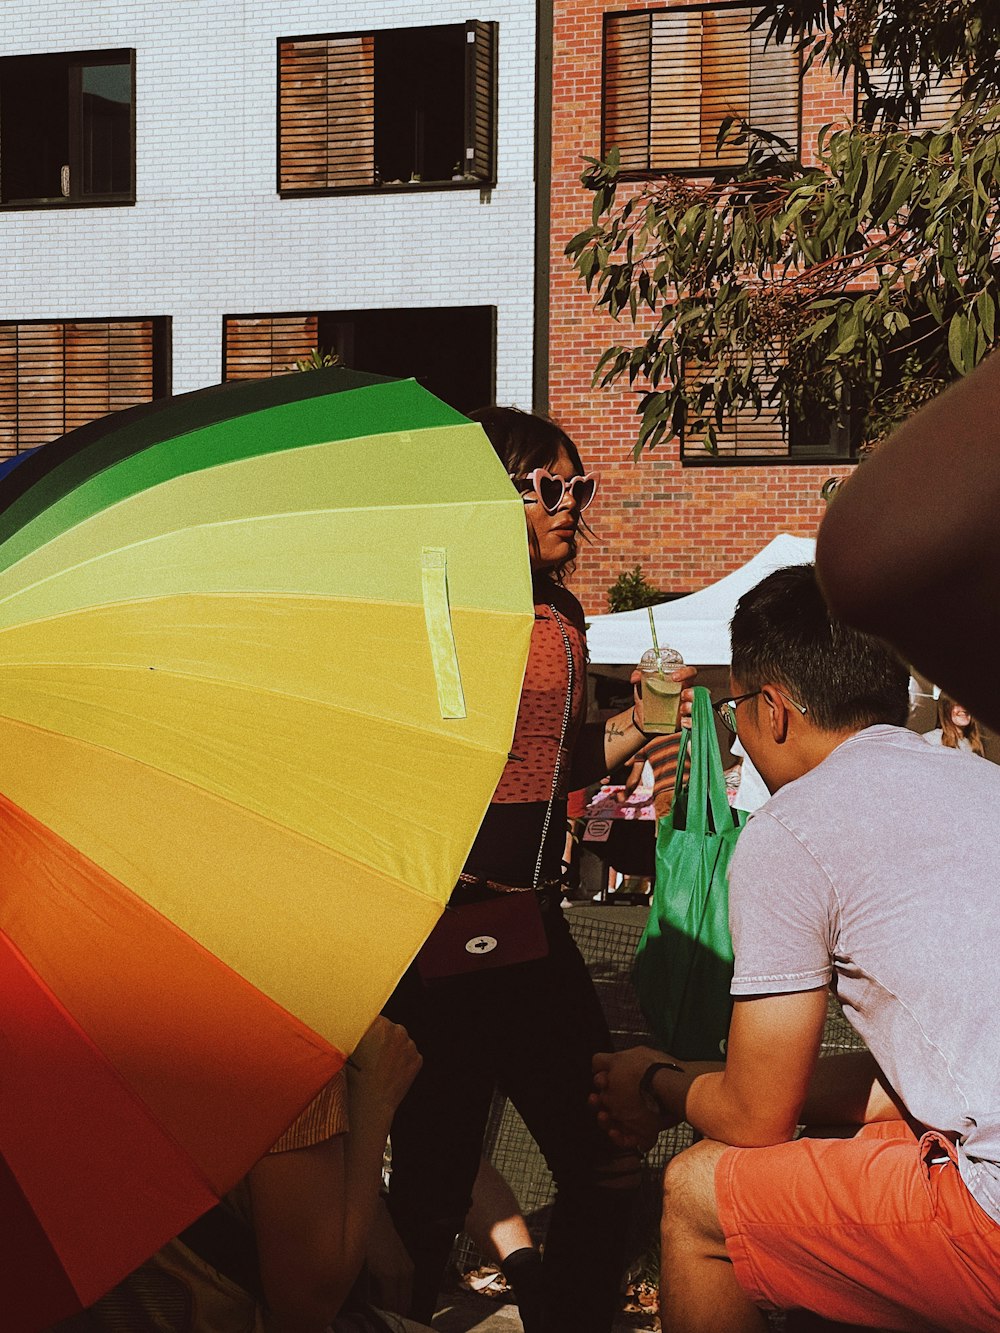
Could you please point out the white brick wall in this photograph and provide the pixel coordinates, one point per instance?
(210, 236)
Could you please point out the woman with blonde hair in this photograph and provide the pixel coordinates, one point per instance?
(957, 728)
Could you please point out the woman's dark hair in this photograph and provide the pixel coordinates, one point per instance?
(951, 732)
(523, 441)
(783, 634)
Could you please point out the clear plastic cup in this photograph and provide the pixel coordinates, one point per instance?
(661, 696)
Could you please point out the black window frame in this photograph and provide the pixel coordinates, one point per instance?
(75, 60)
(473, 131)
(327, 317)
(700, 170)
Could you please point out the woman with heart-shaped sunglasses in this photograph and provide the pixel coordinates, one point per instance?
(530, 1026)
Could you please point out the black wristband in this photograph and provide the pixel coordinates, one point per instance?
(636, 725)
(648, 1093)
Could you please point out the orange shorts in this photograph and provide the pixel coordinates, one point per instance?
(877, 1230)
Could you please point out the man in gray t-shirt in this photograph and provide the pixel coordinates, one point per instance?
(874, 869)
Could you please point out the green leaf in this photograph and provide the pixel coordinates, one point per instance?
(958, 332)
(986, 312)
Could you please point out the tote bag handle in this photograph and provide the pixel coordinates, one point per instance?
(708, 808)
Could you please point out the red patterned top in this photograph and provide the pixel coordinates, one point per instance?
(543, 701)
(506, 847)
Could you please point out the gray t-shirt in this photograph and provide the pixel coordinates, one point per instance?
(880, 870)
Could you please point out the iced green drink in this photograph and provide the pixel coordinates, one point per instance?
(661, 695)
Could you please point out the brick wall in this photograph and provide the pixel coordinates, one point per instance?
(686, 526)
(209, 235)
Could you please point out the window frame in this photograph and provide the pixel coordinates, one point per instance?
(320, 315)
(701, 457)
(699, 171)
(484, 182)
(74, 60)
(766, 460)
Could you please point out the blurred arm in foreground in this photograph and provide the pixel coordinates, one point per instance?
(909, 549)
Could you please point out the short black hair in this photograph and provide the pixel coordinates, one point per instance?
(783, 633)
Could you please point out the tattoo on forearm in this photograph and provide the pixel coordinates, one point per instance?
(614, 729)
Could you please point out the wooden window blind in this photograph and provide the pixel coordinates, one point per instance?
(742, 433)
(942, 100)
(328, 120)
(57, 376)
(258, 346)
(672, 76)
(326, 117)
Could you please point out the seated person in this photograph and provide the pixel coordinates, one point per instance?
(872, 869)
(283, 1250)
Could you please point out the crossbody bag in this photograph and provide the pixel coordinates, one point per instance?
(505, 927)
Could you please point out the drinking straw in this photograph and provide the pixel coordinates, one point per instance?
(656, 642)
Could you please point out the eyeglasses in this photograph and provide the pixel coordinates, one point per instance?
(726, 708)
(551, 490)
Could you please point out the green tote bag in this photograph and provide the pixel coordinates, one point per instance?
(684, 962)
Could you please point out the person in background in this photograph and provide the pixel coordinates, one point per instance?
(496, 1226)
(529, 1027)
(283, 1251)
(751, 792)
(957, 729)
(661, 754)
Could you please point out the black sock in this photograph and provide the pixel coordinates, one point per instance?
(523, 1271)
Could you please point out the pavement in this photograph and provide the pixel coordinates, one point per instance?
(468, 1312)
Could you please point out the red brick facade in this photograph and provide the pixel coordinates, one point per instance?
(685, 525)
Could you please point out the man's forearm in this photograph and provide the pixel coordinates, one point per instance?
(714, 1107)
(847, 1089)
(699, 1092)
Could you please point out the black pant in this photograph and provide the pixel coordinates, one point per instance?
(530, 1029)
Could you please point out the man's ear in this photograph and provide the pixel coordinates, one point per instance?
(777, 713)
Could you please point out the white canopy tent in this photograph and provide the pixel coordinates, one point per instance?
(698, 625)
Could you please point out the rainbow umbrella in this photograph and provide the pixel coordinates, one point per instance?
(258, 681)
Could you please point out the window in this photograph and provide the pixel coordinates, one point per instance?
(811, 435)
(55, 376)
(671, 76)
(450, 349)
(67, 129)
(404, 107)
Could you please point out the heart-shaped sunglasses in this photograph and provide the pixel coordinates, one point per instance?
(551, 490)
